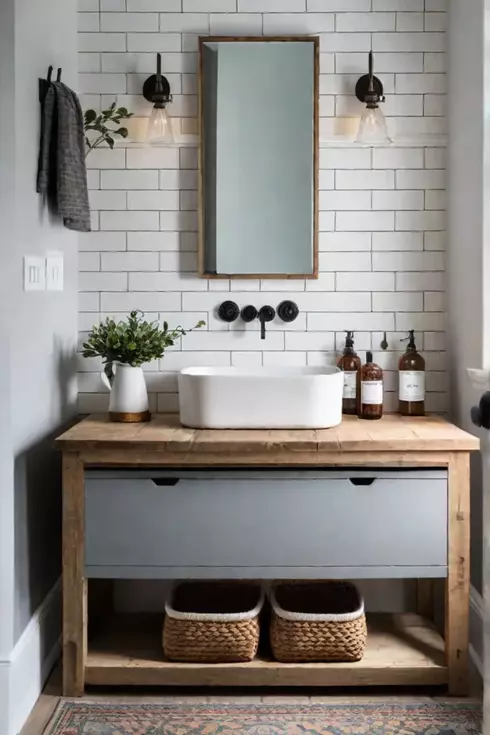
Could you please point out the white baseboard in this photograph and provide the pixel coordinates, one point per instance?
(4, 695)
(476, 629)
(24, 673)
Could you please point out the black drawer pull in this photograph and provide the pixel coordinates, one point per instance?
(165, 481)
(362, 481)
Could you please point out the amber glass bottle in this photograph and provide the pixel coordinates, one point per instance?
(371, 390)
(350, 364)
(412, 380)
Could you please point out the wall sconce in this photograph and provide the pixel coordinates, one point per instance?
(156, 89)
(372, 129)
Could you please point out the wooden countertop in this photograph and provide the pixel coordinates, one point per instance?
(164, 433)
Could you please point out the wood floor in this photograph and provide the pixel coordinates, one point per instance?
(51, 696)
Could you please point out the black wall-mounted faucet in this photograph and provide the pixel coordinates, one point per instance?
(229, 311)
(266, 314)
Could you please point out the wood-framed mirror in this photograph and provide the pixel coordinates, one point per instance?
(258, 157)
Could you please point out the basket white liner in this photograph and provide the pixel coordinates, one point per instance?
(315, 617)
(215, 617)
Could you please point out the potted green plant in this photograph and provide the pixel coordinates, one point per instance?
(124, 347)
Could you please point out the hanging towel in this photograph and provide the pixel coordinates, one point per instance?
(62, 175)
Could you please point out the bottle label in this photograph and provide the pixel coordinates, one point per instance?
(350, 384)
(412, 385)
(372, 392)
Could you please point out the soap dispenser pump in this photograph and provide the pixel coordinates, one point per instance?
(412, 380)
(350, 364)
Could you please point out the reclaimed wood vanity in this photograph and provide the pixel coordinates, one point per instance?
(381, 500)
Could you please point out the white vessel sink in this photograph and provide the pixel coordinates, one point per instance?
(261, 398)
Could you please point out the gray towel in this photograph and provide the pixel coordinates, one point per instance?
(62, 174)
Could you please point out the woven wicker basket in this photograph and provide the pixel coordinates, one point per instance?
(213, 622)
(322, 621)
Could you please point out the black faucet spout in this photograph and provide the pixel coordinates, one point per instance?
(266, 314)
(262, 327)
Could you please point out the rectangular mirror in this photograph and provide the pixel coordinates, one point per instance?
(258, 196)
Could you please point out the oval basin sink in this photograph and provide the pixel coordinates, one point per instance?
(261, 398)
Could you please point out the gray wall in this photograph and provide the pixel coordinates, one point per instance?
(466, 233)
(6, 234)
(38, 329)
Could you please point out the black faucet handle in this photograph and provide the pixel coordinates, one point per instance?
(228, 311)
(249, 313)
(287, 311)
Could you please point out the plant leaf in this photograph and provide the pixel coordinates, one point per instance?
(134, 341)
(90, 116)
(100, 124)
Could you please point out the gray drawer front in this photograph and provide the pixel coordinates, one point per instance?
(266, 522)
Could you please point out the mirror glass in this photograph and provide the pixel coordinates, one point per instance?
(258, 157)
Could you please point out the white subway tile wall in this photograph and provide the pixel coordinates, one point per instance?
(382, 220)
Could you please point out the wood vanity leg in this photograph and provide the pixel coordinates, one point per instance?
(74, 583)
(458, 580)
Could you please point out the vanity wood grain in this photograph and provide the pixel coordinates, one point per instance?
(393, 433)
(394, 441)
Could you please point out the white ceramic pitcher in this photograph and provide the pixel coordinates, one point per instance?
(129, 398)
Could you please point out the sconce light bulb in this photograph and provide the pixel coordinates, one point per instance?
(160, 128)
(373, 129)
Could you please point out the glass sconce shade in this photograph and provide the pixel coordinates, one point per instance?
(372, 128)
(160, 129)
(156, 90)
(369, 90)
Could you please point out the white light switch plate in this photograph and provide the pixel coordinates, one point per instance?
(54, 272)
(34, 273)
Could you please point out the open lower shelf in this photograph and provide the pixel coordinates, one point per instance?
(403, 650)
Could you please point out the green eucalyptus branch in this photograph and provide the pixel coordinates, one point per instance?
(100, 124)
(132, 342)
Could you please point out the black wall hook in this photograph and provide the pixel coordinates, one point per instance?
(44, 83)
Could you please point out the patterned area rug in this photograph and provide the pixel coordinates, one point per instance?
(84, 718)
